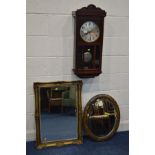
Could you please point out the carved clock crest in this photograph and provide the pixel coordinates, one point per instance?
(89, 28)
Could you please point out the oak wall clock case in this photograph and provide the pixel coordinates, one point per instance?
(88, 41)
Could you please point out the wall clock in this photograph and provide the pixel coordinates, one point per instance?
(89, 28)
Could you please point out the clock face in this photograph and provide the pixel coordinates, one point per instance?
(89, 32)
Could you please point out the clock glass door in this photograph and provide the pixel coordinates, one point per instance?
(89, 57)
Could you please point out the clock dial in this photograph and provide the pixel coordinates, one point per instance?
(89, 31)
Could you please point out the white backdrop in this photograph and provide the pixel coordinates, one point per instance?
(50, 52)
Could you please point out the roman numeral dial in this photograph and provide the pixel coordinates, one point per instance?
(89, 31)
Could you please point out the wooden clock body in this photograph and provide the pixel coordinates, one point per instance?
(91, 68)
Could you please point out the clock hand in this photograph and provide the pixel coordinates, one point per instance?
(87, 32)
(90, 31)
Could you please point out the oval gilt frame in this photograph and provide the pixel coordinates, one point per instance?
(117, 120)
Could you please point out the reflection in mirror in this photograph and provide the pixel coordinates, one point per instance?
(101, 117)
(58, 113)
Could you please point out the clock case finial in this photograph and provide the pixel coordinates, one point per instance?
(90, 10)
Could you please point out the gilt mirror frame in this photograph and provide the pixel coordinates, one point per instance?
(117, 118)
(79, 139)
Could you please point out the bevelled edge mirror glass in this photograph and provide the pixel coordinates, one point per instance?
(58, 113)
(101, 117)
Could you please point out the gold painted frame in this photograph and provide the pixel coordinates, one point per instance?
(117, 121)
(79, 140)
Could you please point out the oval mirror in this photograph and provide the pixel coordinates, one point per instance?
(101, 117)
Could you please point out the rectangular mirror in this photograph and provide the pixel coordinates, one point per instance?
(58, 113)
